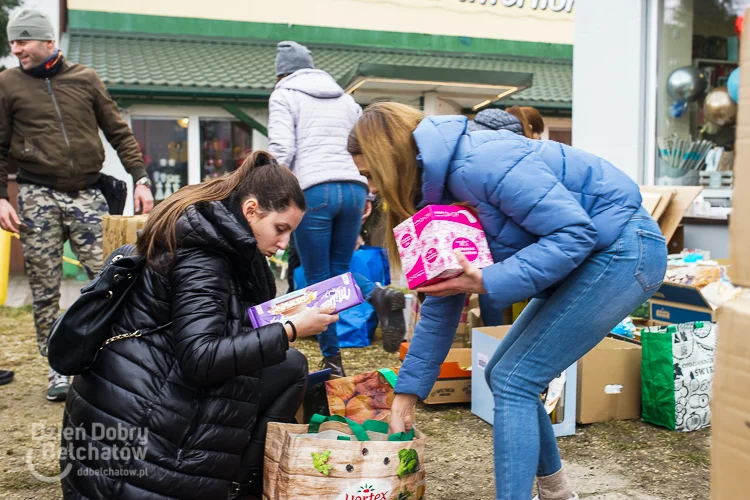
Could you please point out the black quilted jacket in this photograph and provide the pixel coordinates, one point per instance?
(184, 401)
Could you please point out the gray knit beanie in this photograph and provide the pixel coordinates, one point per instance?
(495, 119)
(30, 24)
(291, 56)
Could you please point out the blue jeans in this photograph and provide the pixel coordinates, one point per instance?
(552, 334)
(326, 238)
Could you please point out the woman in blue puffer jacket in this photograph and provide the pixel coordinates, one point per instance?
(563, 226)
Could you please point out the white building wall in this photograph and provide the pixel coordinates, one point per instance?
(609, 75)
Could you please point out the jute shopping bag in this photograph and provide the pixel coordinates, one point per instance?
(338, 459)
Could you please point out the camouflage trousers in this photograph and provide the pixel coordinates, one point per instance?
(49, 218)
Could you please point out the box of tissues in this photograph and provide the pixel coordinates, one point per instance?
(427, 240)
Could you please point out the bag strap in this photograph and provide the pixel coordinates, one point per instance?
(360, 430)
(403, 436)
(389, 375)
(382, 428)
(135, 334)
(316, 420)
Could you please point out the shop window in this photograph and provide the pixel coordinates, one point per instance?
(163, 143)
(224, 145)
(696, 102)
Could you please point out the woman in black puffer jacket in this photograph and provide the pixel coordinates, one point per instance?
(183, 413)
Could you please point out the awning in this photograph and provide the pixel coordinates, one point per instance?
(469, 88)
(226, 69)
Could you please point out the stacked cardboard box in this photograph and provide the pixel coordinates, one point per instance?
(119, 230)
(730, 407)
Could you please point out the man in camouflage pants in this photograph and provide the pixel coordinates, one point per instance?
(48, 219)
(50, 115)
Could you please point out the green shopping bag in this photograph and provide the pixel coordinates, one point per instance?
(676, 373)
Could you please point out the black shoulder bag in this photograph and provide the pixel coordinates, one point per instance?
(83, 330)
(115, 192)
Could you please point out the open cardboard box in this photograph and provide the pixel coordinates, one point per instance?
(673, 304)
(484, 342)
(454, 382)
(667, 205)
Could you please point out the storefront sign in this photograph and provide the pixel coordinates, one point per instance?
(541, 21)
(553, 5)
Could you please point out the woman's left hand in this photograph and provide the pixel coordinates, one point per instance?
(469, 282)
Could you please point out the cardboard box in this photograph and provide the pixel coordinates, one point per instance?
(454, 382)
(730, 405)
(739, 222)
(118, 230)
(609, 382)
(674, 303)
(484, 342)
(667, 205)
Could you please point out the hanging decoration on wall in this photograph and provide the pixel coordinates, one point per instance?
(719, 108)
(687, 84)
(733, 85)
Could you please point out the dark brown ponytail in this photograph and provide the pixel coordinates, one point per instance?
(519, 113)
(260, 176)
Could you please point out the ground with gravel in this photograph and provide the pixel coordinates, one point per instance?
(609, 461)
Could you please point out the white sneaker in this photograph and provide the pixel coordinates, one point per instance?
(58, 387)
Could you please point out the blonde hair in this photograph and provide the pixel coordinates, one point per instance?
(383, 137)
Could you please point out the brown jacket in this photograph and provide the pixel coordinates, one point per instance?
(49, 129)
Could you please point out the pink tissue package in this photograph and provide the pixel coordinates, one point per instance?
(427, 240)
(341, 292)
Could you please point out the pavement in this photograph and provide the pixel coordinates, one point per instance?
(19, 293)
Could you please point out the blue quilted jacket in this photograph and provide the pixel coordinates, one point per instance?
(545, 207)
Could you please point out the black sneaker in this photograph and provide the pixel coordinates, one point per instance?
(6, 377)
(334, 363)
(389, 305)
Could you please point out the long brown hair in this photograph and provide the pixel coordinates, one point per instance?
(260, 176)
(383, 136)
(530, 118)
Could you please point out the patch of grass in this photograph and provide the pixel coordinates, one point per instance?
(15, 312)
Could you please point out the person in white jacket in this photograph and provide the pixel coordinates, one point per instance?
(310, 117)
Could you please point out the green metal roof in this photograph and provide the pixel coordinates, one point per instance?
(223, 68)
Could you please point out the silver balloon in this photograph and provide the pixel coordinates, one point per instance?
(687, 84)
(719, 108)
